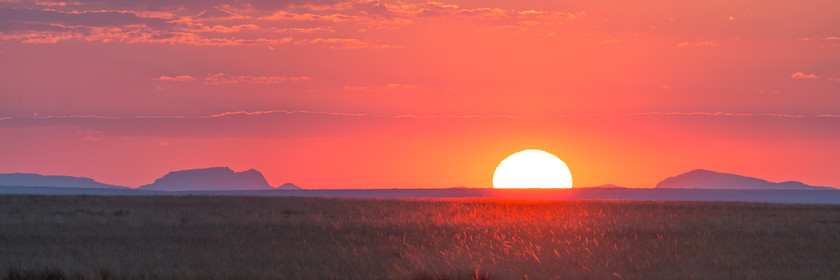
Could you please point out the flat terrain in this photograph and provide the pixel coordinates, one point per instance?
(196, 237)
(827, 196)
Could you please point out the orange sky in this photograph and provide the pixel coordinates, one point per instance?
(387, 94)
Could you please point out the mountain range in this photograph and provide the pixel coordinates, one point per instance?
(37, 180)
(205, 179)
(225, 179)
(705, 179)
(210, 179)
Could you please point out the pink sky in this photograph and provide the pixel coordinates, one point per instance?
(387, 94)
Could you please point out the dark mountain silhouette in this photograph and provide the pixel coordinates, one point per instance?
(209, 179)
(289, 186)
(705, 179)
(37, 180)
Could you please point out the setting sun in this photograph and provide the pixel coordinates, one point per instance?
(532, 169)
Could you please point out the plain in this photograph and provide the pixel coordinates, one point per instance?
(230, 237)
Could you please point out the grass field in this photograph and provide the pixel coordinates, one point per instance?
(193, 237)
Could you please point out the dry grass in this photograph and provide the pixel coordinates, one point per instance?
(93, 237)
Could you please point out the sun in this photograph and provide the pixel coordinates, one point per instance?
(532, 169)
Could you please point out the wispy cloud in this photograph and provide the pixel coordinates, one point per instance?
(387, 87)
(60, 4)
(91, 135)
(183, 78)
(217, 14)
(219, 115)
(699, 44)
(244, 25)
(420, 116)
(76, 19)
(815, 38)
(800, 75)
(229, 79)
(283, 15)
(378, 14)
(226, 29)
(325, 29)
(727, 114)
(125, 26)
(138, 35)
(345, 43)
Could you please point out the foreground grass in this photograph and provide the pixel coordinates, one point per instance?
(92, 237)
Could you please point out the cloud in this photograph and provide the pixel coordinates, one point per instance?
(833, 40)
(74, 19)
(226, 29)
(729, 114)
(399, 86)
(387, 87)
(126, 26)
(326, 29)
(227, 79)
(183, 78)
(217, 14)
(191, 6)
(38, 38)
(227, 124)
(60, 4)
(699, 44)
(312, 123)
(800, 75)
(248, 23)
(290, 16)
(348, 114)
(381, 15)
(345, 43)
(610, 41)
(90, 135)
(139, 35)
(500, 16)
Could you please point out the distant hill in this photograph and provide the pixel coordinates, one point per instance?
(209, 179)
(289, 186)
(705, 179)
(37, 180)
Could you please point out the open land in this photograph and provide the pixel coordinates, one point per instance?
(232, 237)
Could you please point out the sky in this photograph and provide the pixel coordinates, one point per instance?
(420, 94)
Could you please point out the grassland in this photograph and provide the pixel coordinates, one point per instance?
(193, 237)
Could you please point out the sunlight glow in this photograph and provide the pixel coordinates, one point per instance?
(532, 169)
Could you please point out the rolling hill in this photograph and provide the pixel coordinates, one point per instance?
(705, 179)
(37, 180)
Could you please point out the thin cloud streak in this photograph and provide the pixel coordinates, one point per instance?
(699, 44)
(228, 79)
(181, 78)
(800, 75)
(414, 116)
